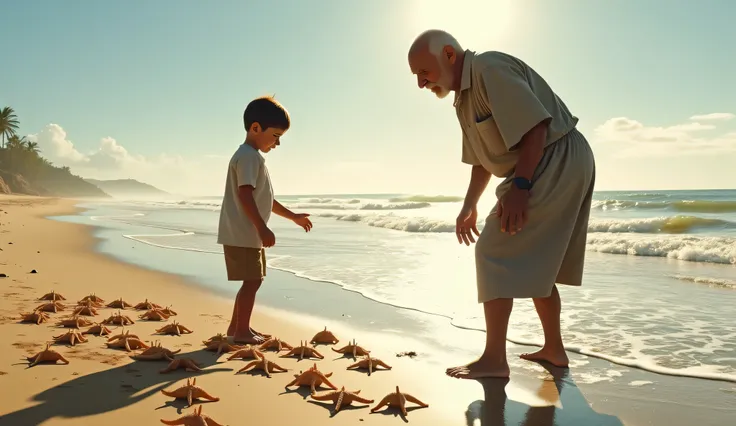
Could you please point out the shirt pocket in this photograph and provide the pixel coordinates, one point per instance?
(490, 136)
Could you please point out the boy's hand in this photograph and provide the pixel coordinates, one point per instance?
(267, 237)
(302, 219)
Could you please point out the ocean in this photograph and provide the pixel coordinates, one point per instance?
(659, 292)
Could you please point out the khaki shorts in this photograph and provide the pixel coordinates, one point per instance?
(245, 263)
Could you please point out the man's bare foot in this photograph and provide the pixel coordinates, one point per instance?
(556, 357)
(248, 338)
(481, 368)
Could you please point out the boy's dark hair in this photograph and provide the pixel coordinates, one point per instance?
(267, 112)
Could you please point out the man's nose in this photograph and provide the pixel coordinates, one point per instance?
(421, 82)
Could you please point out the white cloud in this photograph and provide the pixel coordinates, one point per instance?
(634, 138)
(110, 160)
(713, 116)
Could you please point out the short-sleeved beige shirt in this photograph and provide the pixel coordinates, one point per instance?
(501, 99)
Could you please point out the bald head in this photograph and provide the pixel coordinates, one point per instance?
(435, 57)
(435, 42)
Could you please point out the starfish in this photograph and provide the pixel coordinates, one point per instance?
(36, 316)
(154, 314)
(369, 363)
(312, 378)
(341, 398)
(51, 307)
(168, 311)
(46, 355)
(222, 346)
(90, 303)
(53, 296)
(119, 304)
(156, 352)
(118, 319)
(146, 305)
(324, 336)
(352, 348)
(194, 419)
(219, 337)
(263, 364)
(122, 335)
(98, 330)
(72, 337)
(85, 310)
(187, 364)
(398, 399)
(248, 352)
(127, 342)
(190, 391)
(303, 350)
(275, 343)
(174, 328)
(75, 322)
(92, 298)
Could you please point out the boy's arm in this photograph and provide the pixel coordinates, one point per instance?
(245, 194)
(282, 211)
(247, 168)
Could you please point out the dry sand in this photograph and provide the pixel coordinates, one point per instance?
(104, 386)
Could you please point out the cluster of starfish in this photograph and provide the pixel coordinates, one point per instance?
(312, 378)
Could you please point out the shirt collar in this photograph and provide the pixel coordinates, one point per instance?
(465, 78)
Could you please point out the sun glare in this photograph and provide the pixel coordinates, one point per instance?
(479, 23)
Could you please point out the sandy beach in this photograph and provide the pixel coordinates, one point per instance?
(102, 385)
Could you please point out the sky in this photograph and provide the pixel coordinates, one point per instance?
(155, 91)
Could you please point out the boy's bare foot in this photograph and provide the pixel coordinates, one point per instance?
(248, 338)
(265, 336)
(556, 357)
(483, 367)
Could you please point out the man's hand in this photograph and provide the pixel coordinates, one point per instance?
(267, 237)
(465, 223)
(302, 219)
(512, 209)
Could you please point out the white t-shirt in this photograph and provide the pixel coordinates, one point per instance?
(247, 167)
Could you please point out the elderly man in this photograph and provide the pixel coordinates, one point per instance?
(514, 127)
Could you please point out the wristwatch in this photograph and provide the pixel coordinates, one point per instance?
(522, 183)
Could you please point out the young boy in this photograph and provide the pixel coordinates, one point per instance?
(246, 208)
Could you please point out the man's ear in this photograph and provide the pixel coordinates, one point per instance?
(450, 54)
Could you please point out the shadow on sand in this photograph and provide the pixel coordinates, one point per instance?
(109, 390)
(497, 410)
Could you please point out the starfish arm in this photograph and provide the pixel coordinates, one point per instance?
(189, 397)
(339, 401)
(328, 383)
(384, 402)
(357, 364)
(413, 399)
(292, 383)
(204, 395)
(341, 350)
(210, 422)
(248, 366)
(323, 397)
(179, 421)
(363, 400)
(383, 364)
(168, 393)
(319, 355)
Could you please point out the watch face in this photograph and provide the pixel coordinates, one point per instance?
(522, 183)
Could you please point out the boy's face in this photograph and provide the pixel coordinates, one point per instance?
(266, 139)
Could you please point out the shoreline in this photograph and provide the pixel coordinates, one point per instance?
(542, 392)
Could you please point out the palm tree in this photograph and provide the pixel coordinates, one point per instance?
(32, 146)
(8, 123)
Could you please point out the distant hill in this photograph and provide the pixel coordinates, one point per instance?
(126, 187)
